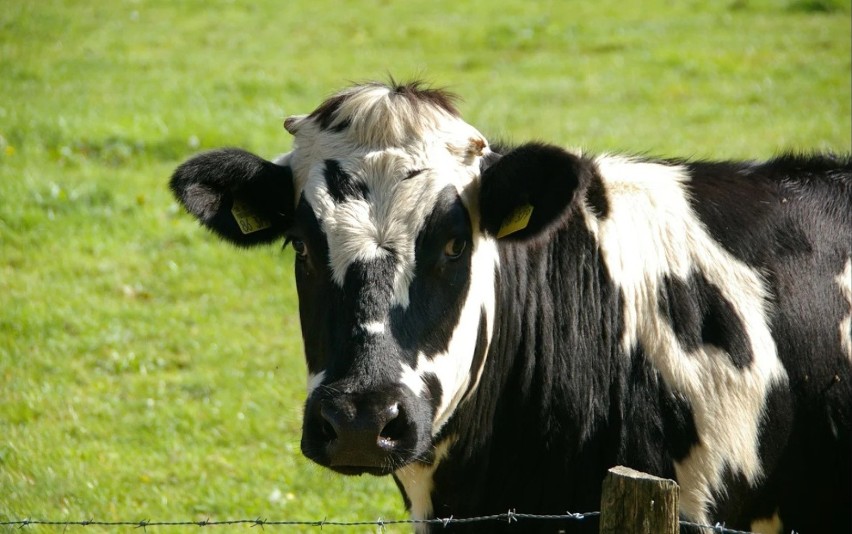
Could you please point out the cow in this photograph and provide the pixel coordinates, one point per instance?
(495, 326)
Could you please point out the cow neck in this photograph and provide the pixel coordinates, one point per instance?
(533, 401)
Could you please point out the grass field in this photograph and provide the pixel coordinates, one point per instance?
(148, 371)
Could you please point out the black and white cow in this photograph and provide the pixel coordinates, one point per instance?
(497, 326)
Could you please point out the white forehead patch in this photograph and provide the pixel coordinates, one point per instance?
(388, 220)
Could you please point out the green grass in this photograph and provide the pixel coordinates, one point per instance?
(148, 371)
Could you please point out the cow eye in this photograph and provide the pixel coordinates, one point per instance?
(300, 248)
(454, 248)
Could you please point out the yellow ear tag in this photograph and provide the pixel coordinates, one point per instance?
(518, 220)
(248, 221)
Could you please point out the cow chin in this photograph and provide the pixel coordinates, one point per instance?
(374, 431)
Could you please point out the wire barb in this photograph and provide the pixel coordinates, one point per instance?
(510, 516)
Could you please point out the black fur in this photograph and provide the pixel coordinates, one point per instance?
(542, 176)
(341, 186)
(326, 113)
(208, 184)
(700, 315)
(596, 197)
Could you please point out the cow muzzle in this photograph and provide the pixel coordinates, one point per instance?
(370, 432)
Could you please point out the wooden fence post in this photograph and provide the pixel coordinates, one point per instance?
(633, 502)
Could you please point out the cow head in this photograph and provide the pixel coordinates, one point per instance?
(393, 205)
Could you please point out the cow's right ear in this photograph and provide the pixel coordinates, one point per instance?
(242, 197)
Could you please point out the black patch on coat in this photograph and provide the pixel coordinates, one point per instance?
(678, 423)
(596, 196)
(418, 92)
(326, 113)
(700, 315)
(434, 390)
(342, 186)
(650, 416)
(534, 433)
(760, 211)
(440, 285)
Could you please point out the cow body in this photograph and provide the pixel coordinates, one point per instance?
(497, 326)
(695, 372)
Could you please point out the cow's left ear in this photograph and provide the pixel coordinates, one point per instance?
(241, 197)
(528, 190)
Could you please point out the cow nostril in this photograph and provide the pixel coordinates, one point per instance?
(328, 430)
(327, 427)
(395, 428)
(392, 431)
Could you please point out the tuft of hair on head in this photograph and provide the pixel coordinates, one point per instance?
(419, 91)
(379, 115)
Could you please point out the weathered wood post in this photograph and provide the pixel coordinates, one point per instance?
(633, 502)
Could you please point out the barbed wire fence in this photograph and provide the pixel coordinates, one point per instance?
(509, 517)
(629, 498)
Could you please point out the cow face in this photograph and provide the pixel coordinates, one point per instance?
(392, 318)
(395, 265)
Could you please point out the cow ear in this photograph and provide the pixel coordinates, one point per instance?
(528, 190)
(242, 197)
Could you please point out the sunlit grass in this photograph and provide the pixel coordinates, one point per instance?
(148, 371)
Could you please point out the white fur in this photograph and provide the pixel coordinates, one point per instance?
(416, 478)
(844, 280)
(453, 367)
(652, 232)
(314, 381)
(375, 328)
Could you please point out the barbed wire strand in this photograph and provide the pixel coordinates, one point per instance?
(511, 516)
